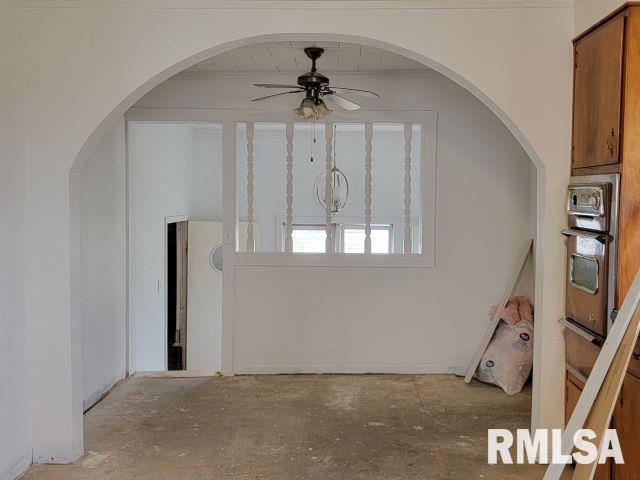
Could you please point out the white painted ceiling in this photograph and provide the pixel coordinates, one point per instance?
(290, 57)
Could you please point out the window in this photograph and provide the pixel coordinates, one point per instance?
(388, 160)
(311, 238)
(352, 238)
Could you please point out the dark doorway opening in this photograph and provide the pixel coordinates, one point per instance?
(176, 295)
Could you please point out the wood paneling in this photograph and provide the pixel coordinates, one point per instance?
(627, 423)
(580, 353)
(599, 170)
(629, 223)
(598, 95)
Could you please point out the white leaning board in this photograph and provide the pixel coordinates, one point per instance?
(526, 250)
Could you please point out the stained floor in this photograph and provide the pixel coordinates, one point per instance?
(316, 427)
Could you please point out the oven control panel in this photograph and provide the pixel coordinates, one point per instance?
(588, 206)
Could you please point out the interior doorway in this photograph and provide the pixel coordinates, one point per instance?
(177, 272)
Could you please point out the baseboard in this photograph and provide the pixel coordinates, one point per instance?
(352, 368)
(176, 374)
(17, 468)
(98, 395)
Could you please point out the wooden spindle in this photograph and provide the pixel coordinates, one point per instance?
(288, 243)
(328, 186)
(408, 132)
(368, 136)
(250, 240)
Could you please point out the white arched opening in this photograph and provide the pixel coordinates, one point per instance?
(124, 105)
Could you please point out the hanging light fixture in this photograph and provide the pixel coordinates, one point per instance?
(312, 107)
(339, 185)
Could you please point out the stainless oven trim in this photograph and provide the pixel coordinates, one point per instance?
(614, 180)
(578, 286)
(596, 214)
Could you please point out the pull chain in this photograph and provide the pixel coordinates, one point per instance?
(314, 138)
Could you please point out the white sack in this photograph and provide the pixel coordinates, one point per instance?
(508, 360)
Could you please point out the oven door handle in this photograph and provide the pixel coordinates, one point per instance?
(581, 332)
(601, 237)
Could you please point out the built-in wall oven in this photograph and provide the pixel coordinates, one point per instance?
(592, 210)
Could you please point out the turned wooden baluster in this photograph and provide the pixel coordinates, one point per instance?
(288, 242)
(328, 186)
(368, 136)
(250, 240)
(408, 132)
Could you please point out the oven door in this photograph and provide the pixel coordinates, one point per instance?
(587, 273)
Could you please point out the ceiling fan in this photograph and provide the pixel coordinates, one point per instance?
(316, 88)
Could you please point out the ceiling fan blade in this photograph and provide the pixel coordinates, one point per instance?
(275, 95)
(340, 101)
(277, 85)
(357, 91)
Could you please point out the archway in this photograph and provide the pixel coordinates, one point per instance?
(160, 77)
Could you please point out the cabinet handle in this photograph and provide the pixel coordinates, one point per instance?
(611, 143)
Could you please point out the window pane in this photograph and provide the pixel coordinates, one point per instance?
(354, 240)
(380, 241)
(309, 240)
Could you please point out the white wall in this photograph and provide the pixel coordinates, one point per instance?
(15, 436)
(590, 12)
(377, 319)
(104, 265)
(85, 66)
(207, 172)
(160, 186)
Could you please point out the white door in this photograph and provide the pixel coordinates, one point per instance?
(204, 298)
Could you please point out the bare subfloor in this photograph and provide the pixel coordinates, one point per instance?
(321, 427)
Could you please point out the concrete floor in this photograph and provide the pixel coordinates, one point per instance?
(324, 427)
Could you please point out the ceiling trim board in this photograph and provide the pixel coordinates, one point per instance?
(300, 4)
(286, 76)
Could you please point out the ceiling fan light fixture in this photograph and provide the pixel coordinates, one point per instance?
(307, 109)
(322, 110)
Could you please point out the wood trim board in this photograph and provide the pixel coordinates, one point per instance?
(526, 250)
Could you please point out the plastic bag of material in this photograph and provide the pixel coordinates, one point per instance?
(508, 360)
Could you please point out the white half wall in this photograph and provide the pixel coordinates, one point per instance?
(103, 260)
(15, 434)
(160, 187)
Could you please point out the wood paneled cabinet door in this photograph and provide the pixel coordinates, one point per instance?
(597, 95)
(572, 395)
(627, 424)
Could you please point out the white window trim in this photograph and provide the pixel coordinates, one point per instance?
(427, 118)
(339, 225)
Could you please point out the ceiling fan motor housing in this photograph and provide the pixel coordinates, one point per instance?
(313, 79)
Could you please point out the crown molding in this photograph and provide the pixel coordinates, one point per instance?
(299, 4)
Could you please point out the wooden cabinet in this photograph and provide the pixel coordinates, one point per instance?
(598, 67)
(626, 421)
(606, 139)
